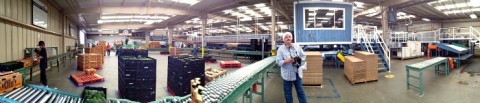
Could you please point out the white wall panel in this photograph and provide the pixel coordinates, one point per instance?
(8, 31)
(2, 9)
(3, 47)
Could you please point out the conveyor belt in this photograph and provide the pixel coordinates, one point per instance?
(38, 94)
(452, 48)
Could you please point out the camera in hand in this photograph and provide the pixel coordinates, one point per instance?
(297, 62)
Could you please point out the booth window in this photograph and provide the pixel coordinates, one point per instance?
(316, 18)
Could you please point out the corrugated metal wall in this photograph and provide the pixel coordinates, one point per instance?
(15, 38)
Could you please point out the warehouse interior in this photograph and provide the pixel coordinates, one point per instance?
(225, 51)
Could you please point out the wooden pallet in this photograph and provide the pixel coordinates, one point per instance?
(81, 79)
(359, 82)
(230, 64)
(82, 69)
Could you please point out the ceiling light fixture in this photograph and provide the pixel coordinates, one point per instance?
(425, 19)
(473, 16)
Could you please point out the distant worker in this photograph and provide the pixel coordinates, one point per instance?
(43, 62)
(194, 50)
(289, 58)
(108, 49)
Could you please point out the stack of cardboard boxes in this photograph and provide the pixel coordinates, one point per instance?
(354, 69)
(102, 45)
(28, 62)
(371, 64)
(314, 73)
(155, 44)
(174, 51)
(89, 60)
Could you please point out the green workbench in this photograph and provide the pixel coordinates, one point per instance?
(422, 66)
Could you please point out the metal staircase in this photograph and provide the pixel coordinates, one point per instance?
(371, 41)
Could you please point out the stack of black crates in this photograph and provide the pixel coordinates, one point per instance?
(182, 69)
(137, 77)
(133, 52)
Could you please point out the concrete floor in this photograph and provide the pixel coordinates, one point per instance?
(457, 87)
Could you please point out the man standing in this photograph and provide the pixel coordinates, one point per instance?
(194, 50)
(43, 62)
(289, 68)
(108, 49)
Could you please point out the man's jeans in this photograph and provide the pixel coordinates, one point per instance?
(287, 88)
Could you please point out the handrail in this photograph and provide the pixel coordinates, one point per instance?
(362, 33)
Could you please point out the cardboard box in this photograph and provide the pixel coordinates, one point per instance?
(371, 64)
(9, 81)
(354, 69)
(90, 60)
(312, 81)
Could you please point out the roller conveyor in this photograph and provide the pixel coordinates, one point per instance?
(36, 99)
(14, 92)
(39, 94)
(45, 98)
(231, 86)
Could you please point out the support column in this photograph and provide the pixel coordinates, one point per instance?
(272, 29)
(204, 32)
(170, 37)
(385, 26)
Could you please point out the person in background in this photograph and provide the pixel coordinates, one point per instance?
(43, 62)
(194, 50)
(291, 73)
(108, 49)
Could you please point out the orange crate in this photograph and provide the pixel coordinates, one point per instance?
(81, 79)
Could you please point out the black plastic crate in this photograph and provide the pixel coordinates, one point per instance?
(133, 52)
(182, 69)
(11, 66)
(141, 95)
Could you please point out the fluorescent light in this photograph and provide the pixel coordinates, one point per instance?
(425, 19)
(99, 21)
(149, 22)
(359, 4)
(242, 8)
(260, 5)
(191, 2)
(473, 16)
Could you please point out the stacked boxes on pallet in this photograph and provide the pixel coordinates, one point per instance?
(182, 69)
(89, 60)
(371, 62)
(354, 69)
(154, 44)
(137, 78)
(174, 51)
(102, 46)
(314, 73)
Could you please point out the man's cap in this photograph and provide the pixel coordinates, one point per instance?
(41, 43)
